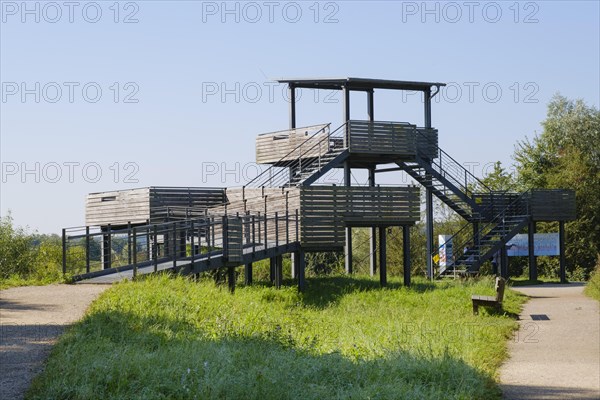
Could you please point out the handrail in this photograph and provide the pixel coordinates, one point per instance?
(288, 154)
(140, 245)
(446, 156)
(507, 211)
(278, 179)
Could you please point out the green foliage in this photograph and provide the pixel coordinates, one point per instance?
(593, 287)
(28, 259)
(567, 155)
(499, 179)
(344, 338)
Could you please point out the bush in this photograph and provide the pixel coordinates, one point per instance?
(27, 258)
(593, 287)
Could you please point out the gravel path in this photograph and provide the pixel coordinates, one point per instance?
(31, 319)
(557, 358)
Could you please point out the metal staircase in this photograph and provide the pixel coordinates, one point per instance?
(472, 249)
(458, 188)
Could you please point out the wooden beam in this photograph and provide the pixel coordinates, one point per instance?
(382, 256)
(278, 271)
(231, 278)
(373, 232)
(406, 253)
(248, 274)
(348, 230)
(301, 263)
(429, 231)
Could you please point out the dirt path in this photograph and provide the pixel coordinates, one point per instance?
(557, 358)
(31, 318)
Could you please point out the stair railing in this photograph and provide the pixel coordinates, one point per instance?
(478, 243)
(280, 174)
(444, 164)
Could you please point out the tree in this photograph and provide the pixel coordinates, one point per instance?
(499, 179)
(567, 155)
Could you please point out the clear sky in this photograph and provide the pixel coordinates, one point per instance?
(103, 95)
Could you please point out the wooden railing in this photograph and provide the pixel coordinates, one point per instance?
(382, 137)
(327, 210)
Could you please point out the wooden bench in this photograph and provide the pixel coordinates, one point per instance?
(490, 301)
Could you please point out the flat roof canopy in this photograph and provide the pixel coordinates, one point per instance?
(362, 84)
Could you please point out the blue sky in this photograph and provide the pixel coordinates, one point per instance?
(174, 93)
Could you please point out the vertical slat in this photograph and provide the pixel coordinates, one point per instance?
(192, 244)
(253, 220)
(276, 229)
(406, 254)
(175, 244)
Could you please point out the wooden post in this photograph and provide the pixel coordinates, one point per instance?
(192, 245)
(148, 239)
(129, 242)
(276, 229)
(248, 274)
(301, 263)
(348, 247)
(106, 248)
(272, 267)
(134, 252)
(533, 274)
(231, 278)
(174, 244)
(278, 271)
(64, 251)
(373, 229)
(406, 253)
(561, 241)
(429, 229)
(182, 243)
(382, 256)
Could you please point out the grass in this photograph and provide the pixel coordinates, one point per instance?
(592, 289)
(163, 338)
(525, 281)
(16, 280)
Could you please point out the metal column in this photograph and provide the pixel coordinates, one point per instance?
(373, 231)
(533, 274)
(429, 231)
(563, 263)
(429, 196)
(292, 96)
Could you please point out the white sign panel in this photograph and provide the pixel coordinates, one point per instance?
(445, 251)
(546, 244)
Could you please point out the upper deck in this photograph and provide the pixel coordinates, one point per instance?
(369, 142)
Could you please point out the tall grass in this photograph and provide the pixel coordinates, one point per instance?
(344, 338)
